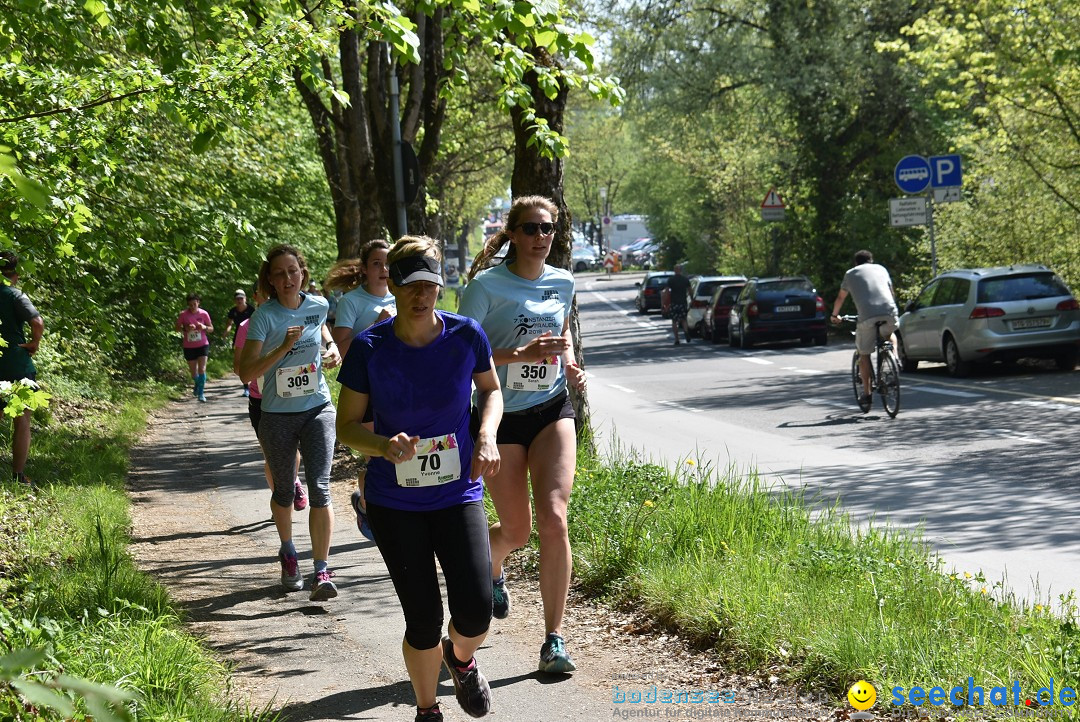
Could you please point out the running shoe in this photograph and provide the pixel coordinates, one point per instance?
(470, 686)
(291, 578)
(432, 714)
(247, 392)
(321, 586)
(22, 478)
(299, 500)
(361, 516)
(202, 397)
(500, 598)
(553, 656)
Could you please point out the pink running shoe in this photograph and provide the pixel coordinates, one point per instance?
(299, 496)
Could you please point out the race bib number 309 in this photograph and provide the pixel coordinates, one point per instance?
(296, 381)
(437, 461)
(539, 376)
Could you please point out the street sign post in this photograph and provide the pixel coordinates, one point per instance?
(907, 211)
(912, 174)
(772, 208)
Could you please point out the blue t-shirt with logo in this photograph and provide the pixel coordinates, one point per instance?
(358, 309)
(512, 310)
(299, 385)
(425, 392)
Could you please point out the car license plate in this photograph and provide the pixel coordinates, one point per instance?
(788, 309)
(1022, 323)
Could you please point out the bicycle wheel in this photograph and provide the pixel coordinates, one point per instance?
(856, 382)
(889, 382)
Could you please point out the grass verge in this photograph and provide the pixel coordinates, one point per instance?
(70, 589)
(774, 582)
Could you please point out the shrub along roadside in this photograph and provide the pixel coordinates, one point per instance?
(69, 588)
(774, 582)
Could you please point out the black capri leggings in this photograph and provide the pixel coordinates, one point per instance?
(409, 541)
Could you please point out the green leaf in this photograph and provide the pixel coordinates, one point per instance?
(545, 38)
(42, 696)
(202, 140)
(341, 95)
(21, 659)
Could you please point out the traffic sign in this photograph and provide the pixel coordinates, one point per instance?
(947, 195)
(912, 174)
(772, 200)
(907, 211)
(945, 171)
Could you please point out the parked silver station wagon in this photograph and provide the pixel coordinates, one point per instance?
(991, 314)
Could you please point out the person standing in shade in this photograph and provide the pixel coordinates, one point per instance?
(368, 300)
(240, 312)
(679, 287)
(524, 307)
(16, 362)
(284, 351)
(195, 326)
(425, 479)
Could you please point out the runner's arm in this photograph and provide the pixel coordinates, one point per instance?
(352, 432)
(489, 402)
(253, 364)
(539, 348)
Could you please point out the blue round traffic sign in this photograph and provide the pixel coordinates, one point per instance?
(912, 174)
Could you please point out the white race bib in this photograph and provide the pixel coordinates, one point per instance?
(296, 381)
(193, 336)
(538, 376)
(437, 461)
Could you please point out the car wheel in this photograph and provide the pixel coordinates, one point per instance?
(907, 365)
(714, 334)
(957, 366)
(1066, 360)
(821, 340)
(580, 266)
(641, 309)
(731, 336)
(805, 340)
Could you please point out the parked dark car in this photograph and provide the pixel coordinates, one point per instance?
(775, 309)
(701, 291)
(648, 295)
(981, 315)
(715, 325)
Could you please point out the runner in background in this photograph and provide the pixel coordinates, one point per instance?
(239, 313)
(195, 326)
(524, 307)
(16, 358)
(368, 300)
(284, 351)
(300, 500)
(425, 479)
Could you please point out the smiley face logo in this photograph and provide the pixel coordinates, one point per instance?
(862, 695)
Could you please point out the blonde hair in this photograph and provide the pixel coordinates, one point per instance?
(414, 246)
(518, 208)
(348, 273)
(281, 249)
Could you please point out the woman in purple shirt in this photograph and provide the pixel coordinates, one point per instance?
(424, 485)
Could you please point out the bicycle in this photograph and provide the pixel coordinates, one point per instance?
(885, 379)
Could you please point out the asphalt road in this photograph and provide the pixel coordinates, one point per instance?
(987, 465)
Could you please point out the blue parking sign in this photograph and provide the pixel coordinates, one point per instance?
(945, 171)
(912, 174)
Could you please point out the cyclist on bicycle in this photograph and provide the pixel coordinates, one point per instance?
(871, 288)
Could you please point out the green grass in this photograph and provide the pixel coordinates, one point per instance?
(772, 583)
(69, 587)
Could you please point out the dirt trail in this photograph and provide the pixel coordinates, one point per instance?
(202, 527)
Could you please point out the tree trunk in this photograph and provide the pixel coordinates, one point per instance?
(535, 175)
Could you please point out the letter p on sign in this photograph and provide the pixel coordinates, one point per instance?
(945, 171)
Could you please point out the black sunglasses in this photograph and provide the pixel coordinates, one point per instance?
(531, 228)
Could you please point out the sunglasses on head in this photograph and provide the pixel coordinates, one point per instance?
(530, 228)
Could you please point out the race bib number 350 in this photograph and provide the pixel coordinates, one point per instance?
(296, 381)
(539, 376)
(437, 461)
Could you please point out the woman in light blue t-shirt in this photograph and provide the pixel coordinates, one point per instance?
(523, 305)
(368, 300)
(284, 352)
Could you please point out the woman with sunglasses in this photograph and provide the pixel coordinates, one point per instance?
(284, 351)
(424, 487)
(368, 300)
(524, 307)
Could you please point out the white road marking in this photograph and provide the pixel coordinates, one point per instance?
(826, 402)
(622, 310)
(808, 371)
(1010, 434)
(943, 392)
(756, 360)
(681, 407)
(622, 388)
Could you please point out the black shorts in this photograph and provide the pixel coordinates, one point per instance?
(522, 427)
(255, 413)
(677, 311)
(193, 353)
